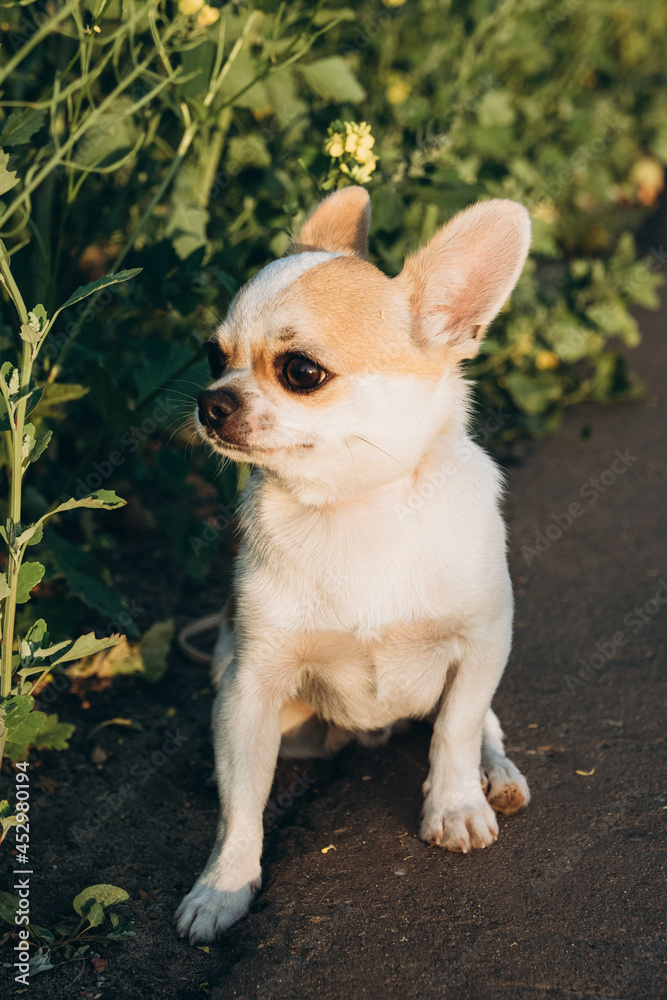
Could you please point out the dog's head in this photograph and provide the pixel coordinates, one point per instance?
(330, 373)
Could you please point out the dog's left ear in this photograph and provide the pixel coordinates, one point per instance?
(461, 279)
(339, 224)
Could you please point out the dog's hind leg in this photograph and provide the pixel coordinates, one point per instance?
(507, 790)
(305, 735)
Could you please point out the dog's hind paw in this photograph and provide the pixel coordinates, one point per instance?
(206, 913)
(507, 790)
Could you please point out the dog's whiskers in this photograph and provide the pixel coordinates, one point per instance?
(366, 441)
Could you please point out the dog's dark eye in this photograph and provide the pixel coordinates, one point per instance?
(217, 362)
(302, 373)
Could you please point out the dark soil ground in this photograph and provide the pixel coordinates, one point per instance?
(570, 901)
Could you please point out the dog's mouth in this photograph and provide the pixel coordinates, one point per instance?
(248, 450)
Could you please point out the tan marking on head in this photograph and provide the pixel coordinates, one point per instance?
(350, 318)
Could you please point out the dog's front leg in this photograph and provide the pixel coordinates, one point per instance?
(246, 734)
(456, 814)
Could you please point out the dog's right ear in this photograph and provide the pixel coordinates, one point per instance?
(339, 224)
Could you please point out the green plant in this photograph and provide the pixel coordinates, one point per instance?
(120, 132)
(187, 140)
(70, 939)
(36, 656)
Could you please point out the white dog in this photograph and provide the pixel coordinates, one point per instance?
(372, 583)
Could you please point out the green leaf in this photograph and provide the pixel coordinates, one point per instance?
(85, 645)
(94, 914)
(101, 896)
(54, 735)
(30, 574)
(105, 499)
(32, 399)
(120, 928)
(21, 125)
(41, 444)
(162, 364)
(8, 906)
(154, 648)
(31, 535)
(21, 737)
(533, 394)
(4, 588)
(82, 573)
(333, 79)
(16, 708)
(8, 178)
(33, 329)
(496, 108)
(248, 151)
(7, 821)
(43, 934)
(54, 394)
(97, 286)
(37, 633)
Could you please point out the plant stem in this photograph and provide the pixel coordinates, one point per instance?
(14, 560)
(16, 477)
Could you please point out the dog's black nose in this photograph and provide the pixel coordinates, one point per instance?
(215, 405)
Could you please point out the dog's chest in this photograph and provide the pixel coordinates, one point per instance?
(367, 685)
(359, 569)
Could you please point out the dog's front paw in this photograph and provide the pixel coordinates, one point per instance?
(206, 912)
(460, 829)
(507, 790)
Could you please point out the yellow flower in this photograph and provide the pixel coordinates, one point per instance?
(359, 141)
(335, 146)
(207, 16)
(399, 89)
(546, 359)
(393, 3)
(356, 143)
(360, 174)
(190, 6)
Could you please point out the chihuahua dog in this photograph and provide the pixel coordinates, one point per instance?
(372, 583)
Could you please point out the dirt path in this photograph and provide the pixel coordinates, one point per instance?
(568, 903)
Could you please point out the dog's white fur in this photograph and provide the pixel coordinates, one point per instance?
(372, 584)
